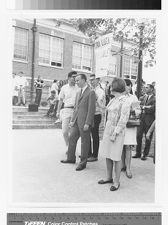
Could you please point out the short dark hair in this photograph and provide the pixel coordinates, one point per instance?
(71, 73)
(151, 86)
(118, 85)
(54, 81)
(92, 75)
(128, 82)
(21, 72)
(53, 92)
(83, 76)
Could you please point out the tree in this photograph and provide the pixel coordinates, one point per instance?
(126, 29)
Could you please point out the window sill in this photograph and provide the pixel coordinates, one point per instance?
(20, 61)
(56, 67)
(84, 71)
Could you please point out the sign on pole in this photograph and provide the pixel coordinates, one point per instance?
(105, 61)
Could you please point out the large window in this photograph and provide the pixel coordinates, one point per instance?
(51, 50)
(82, 57)
(130, 67)
(21, 44)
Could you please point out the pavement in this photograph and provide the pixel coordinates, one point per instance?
(37, 175)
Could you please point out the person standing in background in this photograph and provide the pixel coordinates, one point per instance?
(54, 87)
(130, 132)
(22, 83)
(147, 117)
(15, 90)
(39, 84)
(100, 107)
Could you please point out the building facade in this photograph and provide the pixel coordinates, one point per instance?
(53, 48)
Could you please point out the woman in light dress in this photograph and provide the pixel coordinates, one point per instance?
(131, 132)
(113, 139)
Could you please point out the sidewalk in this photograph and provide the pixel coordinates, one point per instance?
(39, 177)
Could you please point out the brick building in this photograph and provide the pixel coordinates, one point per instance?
(58, 49)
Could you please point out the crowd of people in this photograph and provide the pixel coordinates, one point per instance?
(80, 104)
(20, 84)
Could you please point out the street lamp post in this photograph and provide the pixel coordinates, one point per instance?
(139, 78)
(121, 56)
(34, 30)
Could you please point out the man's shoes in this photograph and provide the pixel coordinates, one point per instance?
(136, 156)
(68, 161)
(105, 181)
(81, 167)
(92, 159)
(143, 157)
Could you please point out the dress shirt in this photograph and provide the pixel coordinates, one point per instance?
(84, 88)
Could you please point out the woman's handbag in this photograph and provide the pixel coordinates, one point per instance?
(133, 121)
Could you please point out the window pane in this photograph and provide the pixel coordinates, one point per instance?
(76, 56)
(44, 49)
(21, 44)
(126, 66)
(134, 68)
(87, 57)
(57, 52)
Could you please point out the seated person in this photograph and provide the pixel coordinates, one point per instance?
(52, 102)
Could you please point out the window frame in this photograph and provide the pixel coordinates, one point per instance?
(131, 61)
(92, 49)
(50, 51)
(27, 45)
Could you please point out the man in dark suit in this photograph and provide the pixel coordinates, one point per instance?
(147, 118)
(81, 123)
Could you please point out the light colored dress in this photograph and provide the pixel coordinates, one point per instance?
(118, 111)
(131, 132)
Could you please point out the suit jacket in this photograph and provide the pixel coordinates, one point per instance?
(85, 108)
(149, 114)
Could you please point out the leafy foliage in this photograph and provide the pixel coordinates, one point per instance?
(123, 29)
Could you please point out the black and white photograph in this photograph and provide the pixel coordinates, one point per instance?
(83, 110)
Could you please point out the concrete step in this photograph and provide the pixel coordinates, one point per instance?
(22, 109)
(44, 122)
(32, 117)
(36, 126)
(31, 114)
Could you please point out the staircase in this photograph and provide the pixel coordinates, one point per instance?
(22, 119)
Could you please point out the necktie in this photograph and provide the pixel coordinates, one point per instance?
(147, 100)
(81, 93)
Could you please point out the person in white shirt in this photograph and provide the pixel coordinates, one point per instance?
(100, 108)
(67, 97)
(22, 83)
(15, 90)
(54, 87)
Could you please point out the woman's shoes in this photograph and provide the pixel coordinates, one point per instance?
(123, 169)
(105, 181)
(129, 174)
(114, 188)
